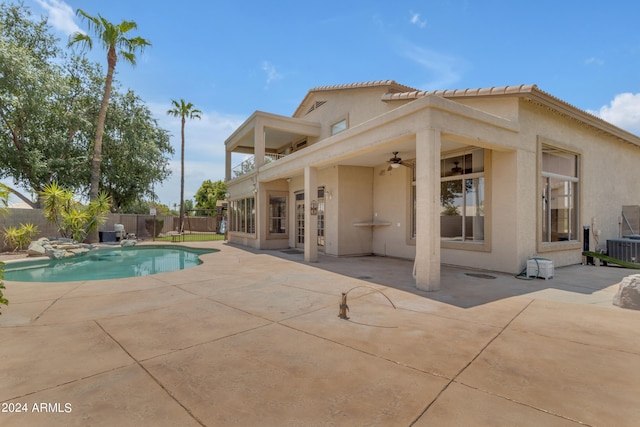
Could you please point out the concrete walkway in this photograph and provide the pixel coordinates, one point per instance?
(252, 338)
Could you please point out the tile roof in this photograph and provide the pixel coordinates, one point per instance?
(396, 87)
(532, 93)
(502, 90)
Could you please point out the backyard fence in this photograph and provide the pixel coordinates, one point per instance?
(198, 225)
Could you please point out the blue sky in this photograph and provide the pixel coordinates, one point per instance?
(232, 58)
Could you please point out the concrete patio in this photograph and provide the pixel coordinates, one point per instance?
(253, 338)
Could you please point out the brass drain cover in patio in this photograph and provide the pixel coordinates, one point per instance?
(480, 275)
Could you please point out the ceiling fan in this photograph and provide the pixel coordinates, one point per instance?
(395, 161)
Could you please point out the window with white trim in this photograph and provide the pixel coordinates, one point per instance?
(559, 186)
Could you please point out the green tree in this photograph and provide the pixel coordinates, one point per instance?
(136, 152)
(4, 199)
(43, 105)
(143, 207)
(188, 207)
(114, 39)
(209, 193)
(184, 110)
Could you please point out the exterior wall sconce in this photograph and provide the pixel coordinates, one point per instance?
(314, 207)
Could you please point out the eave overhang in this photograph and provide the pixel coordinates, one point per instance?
(279, 130)
(530, 93)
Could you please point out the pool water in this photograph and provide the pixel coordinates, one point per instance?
(110, 263)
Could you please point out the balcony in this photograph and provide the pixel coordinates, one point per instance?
(249, 165)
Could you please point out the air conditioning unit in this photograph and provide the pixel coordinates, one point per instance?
(625, 249)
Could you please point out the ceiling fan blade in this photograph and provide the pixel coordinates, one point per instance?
(389, 168)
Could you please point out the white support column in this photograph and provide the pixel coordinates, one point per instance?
(259, 144)
(227, 165)
(427, 263)
(310, 221)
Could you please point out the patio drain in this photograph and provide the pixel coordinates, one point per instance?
(364, 277)
(480, 275)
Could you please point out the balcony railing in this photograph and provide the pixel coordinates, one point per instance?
(249, 165)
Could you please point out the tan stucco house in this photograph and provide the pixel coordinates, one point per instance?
(483, 178)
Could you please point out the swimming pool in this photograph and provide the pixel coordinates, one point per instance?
(108, 263)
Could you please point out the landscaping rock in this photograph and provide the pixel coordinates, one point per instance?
(67, 246)
(78, 251)
(61, 248)
(56, 254)
(36, 249)
(628, 295)
(128, 242)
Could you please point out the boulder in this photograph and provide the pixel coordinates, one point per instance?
(628, 295)
(36, 249)
(56, 254)
(67, 246)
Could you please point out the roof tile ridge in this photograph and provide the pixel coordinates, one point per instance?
(468, 92)
(371, 83)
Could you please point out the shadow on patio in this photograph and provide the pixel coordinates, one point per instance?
(465, 287)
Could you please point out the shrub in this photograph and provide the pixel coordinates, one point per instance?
(19, 238)
(73, 219)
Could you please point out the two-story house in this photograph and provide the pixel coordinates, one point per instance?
(483, 178)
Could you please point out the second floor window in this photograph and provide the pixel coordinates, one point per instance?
(339, 126)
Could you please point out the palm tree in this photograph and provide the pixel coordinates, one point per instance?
(183, 110)
(115, 42)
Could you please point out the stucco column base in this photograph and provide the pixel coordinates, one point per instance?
(427, 262)
(310, 221)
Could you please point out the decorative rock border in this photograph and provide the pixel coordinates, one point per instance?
(64, 248)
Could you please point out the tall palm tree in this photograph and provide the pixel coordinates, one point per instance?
(183, 110)
(115, 41)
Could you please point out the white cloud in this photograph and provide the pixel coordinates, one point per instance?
(445, 69)
(594, 61)
(416, 20)
(61, 16)
(623, 111)
(270, 70)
